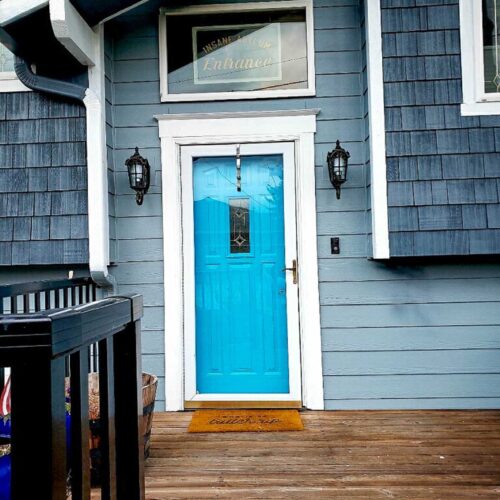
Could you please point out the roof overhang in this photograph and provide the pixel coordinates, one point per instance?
(97, 11)
(32, 38)
(92, 11)
(57, 35)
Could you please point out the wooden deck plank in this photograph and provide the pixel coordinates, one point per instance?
(342, 455)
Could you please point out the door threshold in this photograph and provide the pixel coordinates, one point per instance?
(195, 405)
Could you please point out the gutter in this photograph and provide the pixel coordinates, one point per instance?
(97, 189)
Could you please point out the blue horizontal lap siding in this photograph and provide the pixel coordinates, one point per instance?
(422, 75)
(137, 100)
(383, 325)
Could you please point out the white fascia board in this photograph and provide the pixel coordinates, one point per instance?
(73, 32)
(12, 10)
(123, 11)
(376, 110)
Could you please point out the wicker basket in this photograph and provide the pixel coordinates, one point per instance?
(149, 386)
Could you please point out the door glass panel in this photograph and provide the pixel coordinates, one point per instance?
(239, 220)
(240, 297)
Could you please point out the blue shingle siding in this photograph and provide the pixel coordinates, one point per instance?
(43, 181)
(455, 183)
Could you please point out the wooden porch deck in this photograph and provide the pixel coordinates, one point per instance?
(344, 454)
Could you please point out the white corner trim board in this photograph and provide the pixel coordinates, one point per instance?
(176, 131)
(475, 100)
(376, 118)
(87, 46)
(73, 32)
(97, 168)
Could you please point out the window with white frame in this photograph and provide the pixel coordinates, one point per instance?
(237, 51)
(480, 51)
(8, 79)
(491, 46)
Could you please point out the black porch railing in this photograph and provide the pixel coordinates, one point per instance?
(38, 346)
(48, 294)
(44, 295)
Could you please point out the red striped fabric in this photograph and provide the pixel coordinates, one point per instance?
(5, 399)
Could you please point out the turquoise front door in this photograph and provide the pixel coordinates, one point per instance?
(240, 282)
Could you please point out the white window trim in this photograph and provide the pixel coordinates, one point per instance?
(238, 7)
(10, 11)
(475, 100)
(175, 131)
(376, 119)
(10, 83)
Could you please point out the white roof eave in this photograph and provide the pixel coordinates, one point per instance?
(12, 10)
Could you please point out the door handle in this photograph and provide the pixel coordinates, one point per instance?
(293, 269)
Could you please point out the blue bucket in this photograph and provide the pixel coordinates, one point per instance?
(5, 458)
(5, 472)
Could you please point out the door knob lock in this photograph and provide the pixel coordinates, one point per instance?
(293, 269)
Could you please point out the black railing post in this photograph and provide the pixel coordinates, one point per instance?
(107, 417)
(128, 407)
(79, 391)
(38, 429)
(37, 346)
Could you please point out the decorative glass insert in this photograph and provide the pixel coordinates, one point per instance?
(6, 60)
(237, 51)
(239, 225)
(491, 45)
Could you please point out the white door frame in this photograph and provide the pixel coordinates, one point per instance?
(287, 149)
(193, 129)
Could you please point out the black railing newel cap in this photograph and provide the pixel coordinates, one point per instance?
(136, 303)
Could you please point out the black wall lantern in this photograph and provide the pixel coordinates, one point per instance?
(337, 167)
(138, 175)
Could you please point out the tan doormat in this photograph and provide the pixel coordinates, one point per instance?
(245, 421)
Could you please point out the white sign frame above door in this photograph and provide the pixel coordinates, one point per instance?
(296, 126)
(242, 7)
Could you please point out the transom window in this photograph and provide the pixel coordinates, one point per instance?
(238, 51)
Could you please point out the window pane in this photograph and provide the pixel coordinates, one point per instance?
(230, 52)
(491, 43)
(6, 59)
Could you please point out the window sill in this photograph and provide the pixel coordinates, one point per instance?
(226, 96)
(480, 108)
(12, 85)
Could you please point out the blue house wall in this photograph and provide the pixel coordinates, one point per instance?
(394, 335)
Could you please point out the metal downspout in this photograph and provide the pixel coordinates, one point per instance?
(98, 251)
